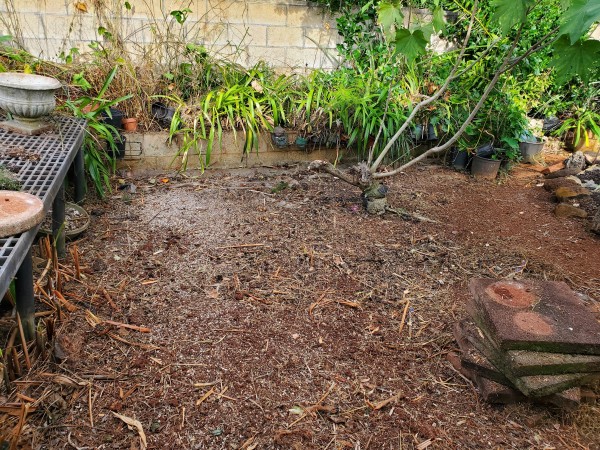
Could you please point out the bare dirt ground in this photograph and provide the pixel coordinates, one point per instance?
(286, 317)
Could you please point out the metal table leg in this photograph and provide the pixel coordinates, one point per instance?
(58, 221)
(79, 176)
(24, 294)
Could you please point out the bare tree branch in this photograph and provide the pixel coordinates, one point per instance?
(468, 120)
(431, 99)
(326, 166)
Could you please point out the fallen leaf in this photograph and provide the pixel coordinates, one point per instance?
(81, 7)
(298, 410)
(423, 445)
(131, 424)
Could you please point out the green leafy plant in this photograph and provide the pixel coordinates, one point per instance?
(100, 141)
(249, 101)
(580, 126)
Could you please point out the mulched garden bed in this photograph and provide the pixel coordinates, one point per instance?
(266, 309)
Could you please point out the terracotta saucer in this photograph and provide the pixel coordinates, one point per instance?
(19, 212)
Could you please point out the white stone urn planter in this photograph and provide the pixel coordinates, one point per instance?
(28, 98)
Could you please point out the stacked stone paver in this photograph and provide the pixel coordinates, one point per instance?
(529, 341)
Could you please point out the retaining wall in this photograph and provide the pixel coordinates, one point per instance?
(153, 152)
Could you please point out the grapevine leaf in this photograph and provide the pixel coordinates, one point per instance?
(575, 59)
(389, 16)
(579, 17)
(438, 20)
(509, 13)
(410, 44)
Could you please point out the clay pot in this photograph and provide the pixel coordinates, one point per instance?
(130, 124)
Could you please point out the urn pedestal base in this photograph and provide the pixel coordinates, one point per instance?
(26, 128)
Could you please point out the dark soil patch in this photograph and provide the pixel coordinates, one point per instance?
(287, 320)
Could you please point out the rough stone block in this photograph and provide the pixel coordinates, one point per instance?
(319, 38)
(275, 56)
(301, 16)
(566, 210)
(543, 385)
(267, 13)
(285, 37)
(31, 25)
(253, 35)
(536, 385)
(473, 359)
(303, 58)
(536, 316)
(563, 194)
(229, 11)
(553, 184)
(493, 392)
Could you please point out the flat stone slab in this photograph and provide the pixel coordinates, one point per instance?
(534, 315)
(493, 392)
(523, 362)
(19, 212)
(530, 386)
(472, 359)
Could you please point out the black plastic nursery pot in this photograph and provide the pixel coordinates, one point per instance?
(163, 113)
(115, 119)
(530, 151)
(485, 151)
(119, 151)
(486, 168)
(458, 159)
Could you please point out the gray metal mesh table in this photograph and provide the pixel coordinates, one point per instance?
(41, 163)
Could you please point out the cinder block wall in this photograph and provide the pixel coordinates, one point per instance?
(289, 34)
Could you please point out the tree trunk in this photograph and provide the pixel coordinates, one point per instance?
(375, 198)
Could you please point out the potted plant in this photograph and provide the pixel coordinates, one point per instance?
(531, 145)
(581, 130)
(486, 166)
(130, 124)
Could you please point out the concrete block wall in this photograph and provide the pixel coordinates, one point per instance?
(152, 152)
(289, 34)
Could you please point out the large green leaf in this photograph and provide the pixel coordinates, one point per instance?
(509, 13)
(410, 44)
(438, 22)
(579, 17)
(389, 16)
(575, 59)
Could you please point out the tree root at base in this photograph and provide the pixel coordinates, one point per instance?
(410, 216)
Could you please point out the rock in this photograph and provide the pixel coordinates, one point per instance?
(592, 158)
(589, 184)
(566, 210)
(553, 168)
(555, 183)
(563, 173)
(591, 174)
(566, 193)
(596, 223)
(576, 161)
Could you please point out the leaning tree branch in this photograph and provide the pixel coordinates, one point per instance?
(468, 120)
(326, 166)
(534, 48)
(431, 99)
